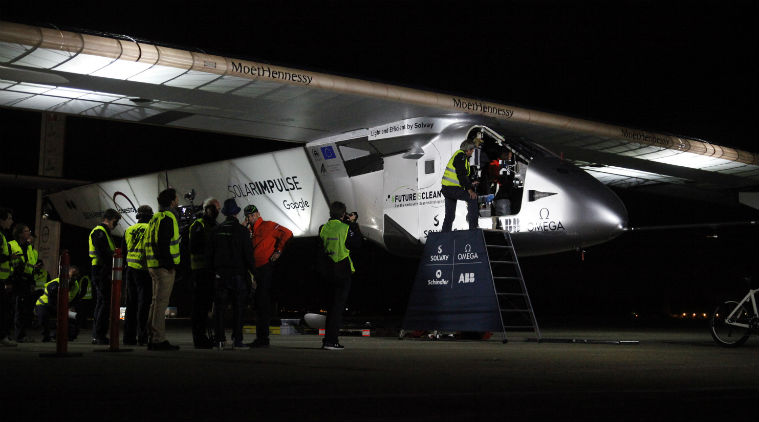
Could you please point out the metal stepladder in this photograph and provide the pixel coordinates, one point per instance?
(508, 282)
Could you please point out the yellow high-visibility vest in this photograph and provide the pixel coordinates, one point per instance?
(40, 278)
(151, 243)
(333, 235)
(5, 267)
(45, 298)
(28, 259)
(135, 243)
(93, 253)
(88, 292)
(449, 176)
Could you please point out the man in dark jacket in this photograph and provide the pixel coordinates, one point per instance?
(101, 252)
(202, 272)
(162, 253)
(230, 252)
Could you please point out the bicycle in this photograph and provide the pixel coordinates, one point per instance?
(732, 322)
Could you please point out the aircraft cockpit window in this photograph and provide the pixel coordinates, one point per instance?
(400, 144)
(351, 153)
(359, 157)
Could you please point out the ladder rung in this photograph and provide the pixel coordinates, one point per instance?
(511, 294)
(507, 278)
(516, 310)
(502, 262)
(500, 246)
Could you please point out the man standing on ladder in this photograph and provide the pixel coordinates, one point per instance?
(457, 186)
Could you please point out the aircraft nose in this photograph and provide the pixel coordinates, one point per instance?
(609, 213)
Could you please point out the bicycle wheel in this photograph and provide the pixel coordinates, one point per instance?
(724, 332)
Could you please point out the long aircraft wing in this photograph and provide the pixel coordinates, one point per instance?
(116, 77)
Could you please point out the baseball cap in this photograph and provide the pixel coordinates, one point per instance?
(250, 209)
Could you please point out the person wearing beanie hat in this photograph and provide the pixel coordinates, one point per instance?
(230, 208)
(230, 254)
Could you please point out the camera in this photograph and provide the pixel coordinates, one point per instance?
(188, 213)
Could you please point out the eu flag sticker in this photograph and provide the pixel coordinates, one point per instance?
(328, 152)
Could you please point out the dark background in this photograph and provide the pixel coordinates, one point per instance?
(686, 68)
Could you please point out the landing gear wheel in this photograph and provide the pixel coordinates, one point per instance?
(723, 331)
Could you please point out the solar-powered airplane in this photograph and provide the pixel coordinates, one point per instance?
(379, 148)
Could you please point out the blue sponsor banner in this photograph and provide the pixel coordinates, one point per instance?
(453, 289)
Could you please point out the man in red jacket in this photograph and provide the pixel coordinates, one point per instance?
(269, 238)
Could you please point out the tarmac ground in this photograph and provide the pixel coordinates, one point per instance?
(662, 374)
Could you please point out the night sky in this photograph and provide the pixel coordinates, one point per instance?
(686, 68)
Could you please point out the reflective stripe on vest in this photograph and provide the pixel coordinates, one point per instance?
(151, 244)
(93, 253)
(135, 243)
(28, 260)
(5, 267)
(450, 178)
(197, 261)
(333, 235)
(45, 298)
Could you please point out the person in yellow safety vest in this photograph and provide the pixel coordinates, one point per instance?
(6, 286)
(339, 236)
(162, 250)
(41, 277)
(139, 286)
(24, 259)
(202, 273)
(47, 304)
(457, 186)
(101, 252)
(85, 306)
